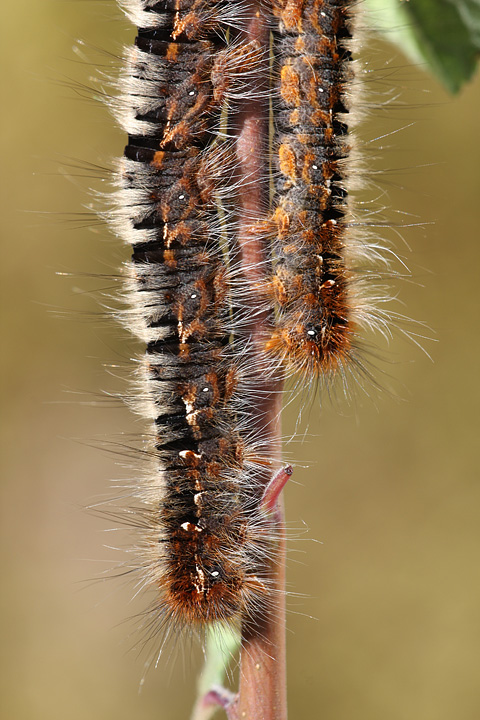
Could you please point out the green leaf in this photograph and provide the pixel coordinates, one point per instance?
(469, 11)
(222, 643)
(442, 35)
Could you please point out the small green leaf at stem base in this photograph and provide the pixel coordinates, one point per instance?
(222, 644)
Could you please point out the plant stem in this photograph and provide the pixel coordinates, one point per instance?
(262, 691)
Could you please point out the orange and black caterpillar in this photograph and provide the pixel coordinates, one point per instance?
(313, 282)
(206, 540)
(207, 536)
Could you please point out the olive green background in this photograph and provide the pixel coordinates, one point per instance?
(384, 622)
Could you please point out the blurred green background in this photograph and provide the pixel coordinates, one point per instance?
(388, 622)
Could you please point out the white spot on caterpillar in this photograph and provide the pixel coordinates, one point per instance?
(189, 407)
(200, 585)
(190, 527)
(197, 498)
(185, 454)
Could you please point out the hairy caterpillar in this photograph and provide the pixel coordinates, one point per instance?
(207, 540)
(317, 283)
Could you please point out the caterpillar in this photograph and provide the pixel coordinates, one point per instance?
(317, 277)
(207, 538)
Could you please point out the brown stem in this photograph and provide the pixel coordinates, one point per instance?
(263, 688)
(262, 692)
(251, 127)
